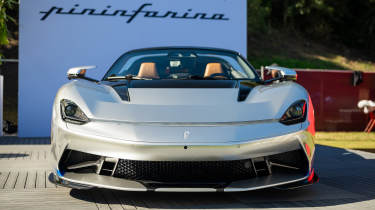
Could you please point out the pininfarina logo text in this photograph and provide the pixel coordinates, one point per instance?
(131, 15)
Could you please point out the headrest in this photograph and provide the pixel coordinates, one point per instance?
(213, 68)
(148, 70)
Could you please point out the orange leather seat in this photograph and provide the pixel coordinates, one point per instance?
(213, 68)
(148, 70)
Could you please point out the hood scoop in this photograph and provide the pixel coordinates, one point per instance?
(122, 91)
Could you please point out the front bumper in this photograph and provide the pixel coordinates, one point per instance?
(114, 150)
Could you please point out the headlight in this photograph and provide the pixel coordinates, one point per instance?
(70, 112)
(296, 113)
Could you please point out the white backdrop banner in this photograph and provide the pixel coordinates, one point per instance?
(59, 34)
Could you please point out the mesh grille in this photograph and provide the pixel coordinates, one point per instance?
(185, 171)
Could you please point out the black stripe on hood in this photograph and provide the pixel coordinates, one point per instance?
(121, 87)
(183, 84)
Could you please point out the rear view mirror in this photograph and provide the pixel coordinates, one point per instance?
(281, 73)
(80, 72)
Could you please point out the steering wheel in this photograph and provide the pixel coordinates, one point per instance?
(218, 75)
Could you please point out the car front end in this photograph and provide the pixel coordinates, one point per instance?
(182, 135)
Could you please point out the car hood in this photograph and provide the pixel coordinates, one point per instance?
(193, 105)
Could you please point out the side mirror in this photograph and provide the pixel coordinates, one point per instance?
(283, 73)
(79, 73)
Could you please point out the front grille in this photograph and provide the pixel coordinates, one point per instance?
(185, 171)
(212, 174)
(72, 157)
(295, 158)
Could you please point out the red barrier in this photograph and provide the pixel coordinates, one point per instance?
(335, 98)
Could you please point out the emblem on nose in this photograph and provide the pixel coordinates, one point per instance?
(186, 134)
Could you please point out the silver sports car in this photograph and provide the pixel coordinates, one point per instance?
(183, 119)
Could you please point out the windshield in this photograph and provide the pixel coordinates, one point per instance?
(181, 64)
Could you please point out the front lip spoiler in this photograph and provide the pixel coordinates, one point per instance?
(53, 178)
(233, 187)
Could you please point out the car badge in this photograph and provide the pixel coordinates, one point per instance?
(186, 134)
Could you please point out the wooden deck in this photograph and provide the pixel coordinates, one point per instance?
(347, 182)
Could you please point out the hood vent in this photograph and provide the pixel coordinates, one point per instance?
(243, 93)
(122, 91)
(245, 88)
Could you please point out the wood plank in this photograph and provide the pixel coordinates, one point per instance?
(4, 155)
(21, 181)
(42, 199)
(101, 203)
(112, 201)
(31, 179)
(124, 200)
(34, 155)
(21, 156)
(14, 155)
(139, 203)
(83, 195)
(28, 155)
(3, 178)
(41, 179)
(11, 181)
(17, 155)
(8, 155)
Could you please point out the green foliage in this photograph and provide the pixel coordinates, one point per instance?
(4, 18)
(288, 62)
(5, 5)
(350, 22)
(257, 15)
(311, 17)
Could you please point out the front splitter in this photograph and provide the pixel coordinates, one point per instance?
(91, 180)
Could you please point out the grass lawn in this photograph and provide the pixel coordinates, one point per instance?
(347, 140)
(297, 63)
(335, 62)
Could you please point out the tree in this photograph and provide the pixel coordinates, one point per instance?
(5, 5)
